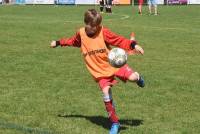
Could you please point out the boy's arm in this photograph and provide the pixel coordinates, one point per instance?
(119, 41)
(74, 41)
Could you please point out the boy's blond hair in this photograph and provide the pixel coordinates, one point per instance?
(92, 21)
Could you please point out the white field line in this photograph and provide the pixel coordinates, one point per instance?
(174, 28)
(170, 28)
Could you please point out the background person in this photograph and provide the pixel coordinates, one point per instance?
(153, 6)
(107, 4)
(140, 3)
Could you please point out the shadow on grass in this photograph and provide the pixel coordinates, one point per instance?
(105, 123)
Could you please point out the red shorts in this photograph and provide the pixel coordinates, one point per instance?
(140, 2)
(123, 74)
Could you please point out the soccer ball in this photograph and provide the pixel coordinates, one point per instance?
(117, 57)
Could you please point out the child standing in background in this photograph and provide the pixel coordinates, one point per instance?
(153, 5)
(107, 4)
(140, 3)
(94, 40)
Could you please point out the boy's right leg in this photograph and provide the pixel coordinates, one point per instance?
(108, 101)
(105, 85)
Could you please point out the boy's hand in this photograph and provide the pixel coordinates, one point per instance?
(136, 49)
(132, 52)
(139, 49)
(53, 44)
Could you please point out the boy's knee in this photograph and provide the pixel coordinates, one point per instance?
(134, 76)
(107, 94)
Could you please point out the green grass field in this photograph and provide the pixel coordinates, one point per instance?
(49, 91)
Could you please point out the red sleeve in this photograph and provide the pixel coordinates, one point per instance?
(74, 41)
(116, 40)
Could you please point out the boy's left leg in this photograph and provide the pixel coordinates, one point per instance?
(135, 77)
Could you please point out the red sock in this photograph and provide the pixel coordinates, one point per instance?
(111, 112)
(113, 105)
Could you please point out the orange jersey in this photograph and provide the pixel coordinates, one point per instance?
(95, 51)
(95, 54)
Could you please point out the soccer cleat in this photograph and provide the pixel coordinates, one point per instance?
(114, 128)
(140, 82)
